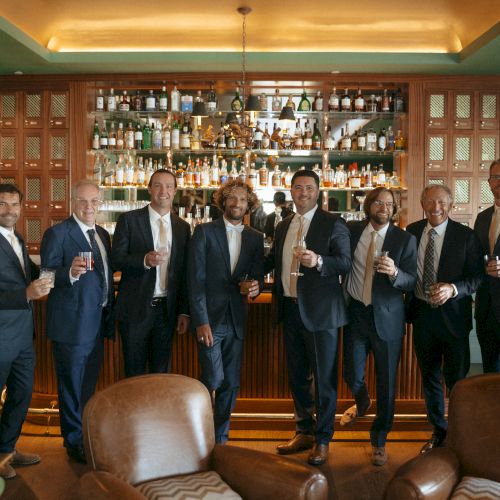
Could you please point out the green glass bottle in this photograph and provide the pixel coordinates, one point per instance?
(146, 136)
(304, 104)
(237, 102)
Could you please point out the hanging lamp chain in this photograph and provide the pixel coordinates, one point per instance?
(244, 11)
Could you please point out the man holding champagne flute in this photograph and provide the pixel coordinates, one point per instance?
(310, 252)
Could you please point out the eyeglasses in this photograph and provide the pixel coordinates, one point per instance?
(495, 177)
(94, 202)
(380, 203)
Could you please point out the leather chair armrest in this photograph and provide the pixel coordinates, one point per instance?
(257, 475)
(98, 485)
(432, 475)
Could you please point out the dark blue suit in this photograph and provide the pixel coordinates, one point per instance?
(17, 355)
(441, 334)
(310, 324)
(76, 322)
(215, 299)
(488, 300)
(380, 327)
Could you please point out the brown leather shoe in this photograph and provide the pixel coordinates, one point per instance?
(434, 442)
(319, 455)
(298, 443)
(24, 458)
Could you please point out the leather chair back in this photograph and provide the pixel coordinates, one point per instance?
(149, 427)
(474, 425)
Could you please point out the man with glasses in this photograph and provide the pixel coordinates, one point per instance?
(310, 302)
(487, 228)
(79, 308)
(376, 285)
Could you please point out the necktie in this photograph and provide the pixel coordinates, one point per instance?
(163, 245)
(98, 263)
(17, 249)
(293, 267)
(232, 239)
(429, 275)
(368, 281)
(493, 233)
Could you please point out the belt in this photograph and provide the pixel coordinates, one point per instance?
(292, 299)
(158, 301)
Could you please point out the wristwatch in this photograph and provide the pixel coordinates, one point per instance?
(319, 264)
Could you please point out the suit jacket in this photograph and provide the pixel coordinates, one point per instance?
(460, 263)
(16, 316)
(387, 295)
(212, 287)
(319, 294)
(132, 240)
(74, 312)
(488, 294)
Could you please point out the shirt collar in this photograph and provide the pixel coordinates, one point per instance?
(439, 229)
(229, 225)
(6, 232)
(308, 215)
(82, 225)
(154, 216)
(380, 232)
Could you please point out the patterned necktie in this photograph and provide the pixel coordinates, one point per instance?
(163, 245)
(293, 266)
(368, 281)
(98, 263)
(429, 276)
(17, 249)
(493, 233)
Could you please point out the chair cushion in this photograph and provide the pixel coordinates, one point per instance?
(205, 485)
(476, 488)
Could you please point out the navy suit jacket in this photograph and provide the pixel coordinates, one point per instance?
(320, 296)
(460, 263)
(212, 287)
(132, 240)
(488, 294)
(387, 295)
(16, 317)
(74, 312)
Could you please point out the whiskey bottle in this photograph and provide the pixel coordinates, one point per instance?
(359, 102)
(138, 136)
(399, 103)
(163, 101)
(185, 136)
(151, 101)
(381, 177)
(137, 102)
(390, 139)
(124, 103)
(175, 100)
(263, 176)
(212, 100)
(399, 141)
(99, 101)
(371, 140)
(237, 103)
(112, 137)
(382, 140)
(318, 102)
(298, 143)
(333, 102)
(276, 103)
(129, 136)
(287, 178)
(346, 101)
(345, 142)
(304, 104)
(111, 101)
(386, 106)
(329, 139)
(361, 140)
(316, 138)
(120, 137)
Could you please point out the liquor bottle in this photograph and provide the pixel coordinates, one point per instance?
(120, 137)
(149, 173)
(286, 139)
(103, 138)
(151, 101)
(146, 136)
(163, 100)
(187, 103)
(99, 101)
(231, 141)
(197, 174)
(175, 135)
(304, 104)
(359, 102)
(346, 101)
(196, 139)
(137, 101)
(368, 177)
(287, 178)
(298, 143)
(214, 174)
(334, 101)
(355, 179)
(129, 136)
(382, 140)
(263, 101)
(385, 102)
(276, 103)
(237, 103)
(273, 143)
(318, 102)
(140, 174)
(341, 177)
(263, 176)
(361, 140)
(327, 176)
(120, 172)
(329, 139)
(185, 135)
(138, 136)
(371, 140)
(112, 137)
(96, 134)
(381, 177)
(390, 139)
(399, 103)
(124, 103)
(212, 100)
(316, 138)
(179, 175)
(354, 141)
(156, 139)
(276, 177)
(399, 141)
(252, 176)
(111, 101)
(189, 175)
(221, 138)
(175, 100)
(233, 173)
(345, 142)
(371, 105)
(257, 139)
(98, 173)
(307, 137)
(266, 138)
(290, 103)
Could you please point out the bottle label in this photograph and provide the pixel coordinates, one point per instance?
(382, 143)
(166, 139)
(95, 142)
(318, 104)
(174, 101)
(334, 102)
(298, 142)
(119, 176)
(329, 143)
(359, 103)
(211, 106)
(99, 104)
(346, 102)
(103, 141)
(111, 103)
(355, 182)
(346, 143)
(361, 141)
(124, 106)
(265, 142)
(317, 144)
(308, 141)
(175, 138)
(138, 135)
(150, 103)
(163, 103)
(258, 136)
(112, 141)
(187, 103)
(119, 144)
(185, 141)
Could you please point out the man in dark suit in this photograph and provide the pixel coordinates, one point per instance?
(149, 248)
(449, 270)
(312, 309)
(487, 228)
(79, 308)
(17, 355)
(376, 285)
(281, 211)
(225, 268)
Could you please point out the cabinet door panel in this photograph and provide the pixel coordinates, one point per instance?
(484, 196)
(487, 144)
(9, 110)
(33, 150)
(436, 105)
(58, 194)
(436, 152)
(461, 153)
(58, 109)
(9, 178)
(58, 150)
(9, 151)
(33, 231)
(33, 192)
(462, 195)
(33, 110)
(463, 110)
(488, 110)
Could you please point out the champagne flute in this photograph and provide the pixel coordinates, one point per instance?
(298, 248)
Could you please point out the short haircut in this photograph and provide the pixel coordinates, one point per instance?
(279, 198)
(306, 173)
(223, 193)
(444, 187)
(373, 195)
(494, 163)
(162, 171)
(81, 183)
(12, 189)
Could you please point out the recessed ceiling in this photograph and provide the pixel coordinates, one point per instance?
(429, 36)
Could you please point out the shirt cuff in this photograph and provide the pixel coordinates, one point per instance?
(145, 265)
(455, 291)
(73, 280)
(319, 265)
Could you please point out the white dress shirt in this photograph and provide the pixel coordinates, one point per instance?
(154, 220)
(356, 277)
(14, 243)
(233, 233)
(288, 246)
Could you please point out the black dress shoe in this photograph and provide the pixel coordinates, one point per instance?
(298, 443)
(435, 441)
(76, 453)
(318, 455)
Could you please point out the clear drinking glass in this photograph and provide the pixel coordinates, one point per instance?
(376, 259)
(299, 247)
(89, 260)
(48, 273)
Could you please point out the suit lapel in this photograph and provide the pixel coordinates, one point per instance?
(145, 227)
(176, 238)
(76, 234)
(447, 245)
(245, 241)
(221, 237)
(11, 255)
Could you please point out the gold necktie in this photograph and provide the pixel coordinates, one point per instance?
(293, 267)
(163, 245)
(367, 283)
(492, 236)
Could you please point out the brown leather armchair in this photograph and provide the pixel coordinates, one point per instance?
(147, 432)
(472, 447)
